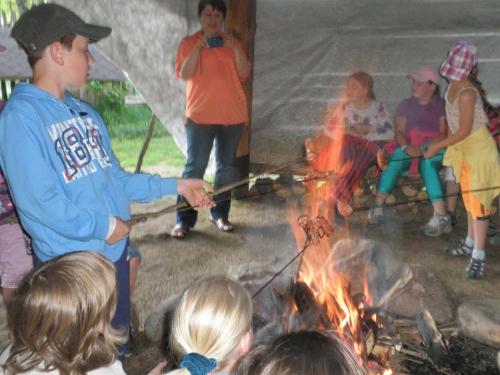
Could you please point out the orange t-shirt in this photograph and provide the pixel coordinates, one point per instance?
(214, 95)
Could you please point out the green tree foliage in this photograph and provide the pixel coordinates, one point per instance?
(10, 10)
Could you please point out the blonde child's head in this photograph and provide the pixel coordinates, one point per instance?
(301, 353)
(60, 316)
(359, 85)
(212, 324)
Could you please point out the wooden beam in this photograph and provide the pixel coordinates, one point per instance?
(241, 22)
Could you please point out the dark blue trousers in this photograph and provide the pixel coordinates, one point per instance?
(200, 140)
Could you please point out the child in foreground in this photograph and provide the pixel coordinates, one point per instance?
(69, 189)
(60, 320)
(301, 353)
(211, 327)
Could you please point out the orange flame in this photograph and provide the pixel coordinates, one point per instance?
(331, 289)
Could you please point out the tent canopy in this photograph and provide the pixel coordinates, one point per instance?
(305, 50)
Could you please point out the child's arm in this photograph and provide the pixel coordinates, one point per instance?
(33, 184)
(141, 187)
(466, 102)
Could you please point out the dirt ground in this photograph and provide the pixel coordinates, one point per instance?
(263, 238)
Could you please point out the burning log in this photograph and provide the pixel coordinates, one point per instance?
(309, 311)
(432, 338)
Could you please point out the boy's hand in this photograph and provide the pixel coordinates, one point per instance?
(122, 229)
(196, 192)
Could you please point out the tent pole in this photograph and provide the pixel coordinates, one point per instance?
(145, 145)
(241, 22)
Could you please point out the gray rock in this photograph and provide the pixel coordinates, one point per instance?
(480, 320)
(424, 291)
(253, 276)
(154, 327)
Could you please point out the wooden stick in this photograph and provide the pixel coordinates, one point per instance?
(151, 215)
(145, 145)
(396, 288)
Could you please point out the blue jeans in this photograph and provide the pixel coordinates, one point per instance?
(429, 170)
(200, 139)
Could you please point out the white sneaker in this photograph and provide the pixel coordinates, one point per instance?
(438, 225)
(376, 215)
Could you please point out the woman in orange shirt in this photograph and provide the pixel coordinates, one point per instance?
(213, 65)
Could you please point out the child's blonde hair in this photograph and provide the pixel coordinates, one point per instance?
(60, 316)
(211, 318)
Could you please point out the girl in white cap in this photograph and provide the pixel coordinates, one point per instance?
(471, 152)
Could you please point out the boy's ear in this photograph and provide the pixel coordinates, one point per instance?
(56, 51)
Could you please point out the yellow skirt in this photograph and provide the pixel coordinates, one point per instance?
(476, 166)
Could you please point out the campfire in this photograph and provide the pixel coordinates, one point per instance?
(330, 290)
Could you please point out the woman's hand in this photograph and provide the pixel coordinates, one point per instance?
(202, 42)
(242, 64)
(229, 41)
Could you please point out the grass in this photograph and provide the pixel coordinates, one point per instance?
(161, 150)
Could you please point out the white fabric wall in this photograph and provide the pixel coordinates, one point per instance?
(305, 49)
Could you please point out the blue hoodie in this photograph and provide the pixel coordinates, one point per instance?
(65, 181)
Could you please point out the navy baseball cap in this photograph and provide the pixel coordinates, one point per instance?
(46, 23)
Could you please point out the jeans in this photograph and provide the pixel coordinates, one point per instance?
(429, 170)
(200, 139)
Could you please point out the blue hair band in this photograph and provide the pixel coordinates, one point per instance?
(198, 364)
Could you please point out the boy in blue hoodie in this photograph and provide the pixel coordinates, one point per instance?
(70, 191)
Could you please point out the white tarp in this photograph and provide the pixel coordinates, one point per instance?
(306, 48)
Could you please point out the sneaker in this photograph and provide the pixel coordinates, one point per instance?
(475, 269)
(438, 225)
(459, 249)
(376, 215)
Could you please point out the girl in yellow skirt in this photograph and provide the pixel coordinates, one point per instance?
(471, 152)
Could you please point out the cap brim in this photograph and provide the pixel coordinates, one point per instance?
(94, 32)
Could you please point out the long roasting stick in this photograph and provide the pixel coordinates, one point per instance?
(151, 215)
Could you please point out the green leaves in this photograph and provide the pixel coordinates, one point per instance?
(10, 10)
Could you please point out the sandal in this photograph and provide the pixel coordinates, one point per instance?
(475, 269)
(222, 224)
(179, 232)
(459, 249)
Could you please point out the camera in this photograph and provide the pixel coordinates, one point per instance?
(215, 42)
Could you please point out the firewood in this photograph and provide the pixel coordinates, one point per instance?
(432, 338)
(382, 353)
(422, 195)
(397, 287)
(409, 191)
(309, 311)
